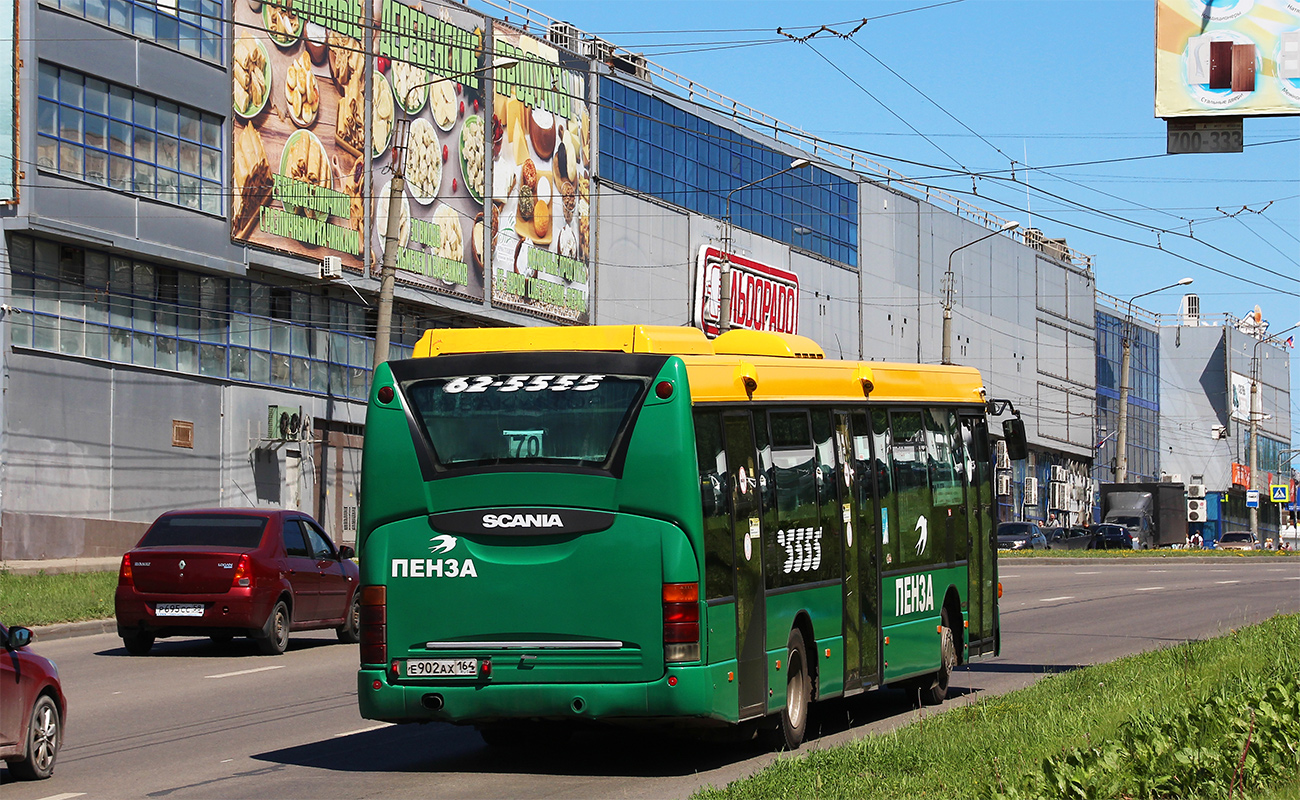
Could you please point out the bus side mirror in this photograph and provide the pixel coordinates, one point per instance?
(1013, 430)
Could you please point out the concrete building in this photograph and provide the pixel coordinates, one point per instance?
(169, 340)
(1208, 367)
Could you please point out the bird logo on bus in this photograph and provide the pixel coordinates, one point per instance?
(442, 544)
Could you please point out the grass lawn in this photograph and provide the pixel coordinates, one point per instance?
(46, 599)
(980, 749)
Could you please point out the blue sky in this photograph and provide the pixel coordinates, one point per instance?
(1043, 82)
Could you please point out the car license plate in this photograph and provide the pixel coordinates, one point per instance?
(179, 610)
(441, 667)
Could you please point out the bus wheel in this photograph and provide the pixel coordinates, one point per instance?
(798, 696)
(937, 691)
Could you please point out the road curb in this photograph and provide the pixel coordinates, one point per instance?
(68, 630)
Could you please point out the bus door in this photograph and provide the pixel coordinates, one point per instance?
(852, 543)
(865, 558)
(981, 533)
(751, 613)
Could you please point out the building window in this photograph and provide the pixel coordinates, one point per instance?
(655, 148)
(190, 26)
(128, 140)
(88, 303)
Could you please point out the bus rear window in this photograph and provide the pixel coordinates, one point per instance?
(204, 531)
(479, 420)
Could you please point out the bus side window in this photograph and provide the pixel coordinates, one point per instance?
(800, 551)
(711, 457)
(828, 491)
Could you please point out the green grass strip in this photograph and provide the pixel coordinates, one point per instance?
(1003, 742)
(46, 599)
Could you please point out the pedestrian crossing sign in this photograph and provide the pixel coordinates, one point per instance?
(1281, 493)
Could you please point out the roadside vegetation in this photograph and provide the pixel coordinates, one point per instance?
(1163, 552)
(1217, 718)
(46, 599)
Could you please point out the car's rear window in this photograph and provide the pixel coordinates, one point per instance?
(205, 530)
(1235, 537)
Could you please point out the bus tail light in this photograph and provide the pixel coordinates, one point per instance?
(243, 577)
(374, 624)
(124, 576)
(681, 622)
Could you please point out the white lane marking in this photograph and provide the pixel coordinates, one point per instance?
(64, 796)
(245, 672)
(1010, 576)
(364, 730)
(1157, 570)
(1094, 572)
(1054, 599)
(1148, 588)
(1226, 582)
(226, 760)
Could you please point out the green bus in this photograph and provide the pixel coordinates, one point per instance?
(640, 524)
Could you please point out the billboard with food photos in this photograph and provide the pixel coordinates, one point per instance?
(541, 180)
(300, 157)
(430, 64)
(297, 181)
(1227, 57)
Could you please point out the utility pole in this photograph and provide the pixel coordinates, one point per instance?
(724, 288)
(1126, 358)
(949, 280)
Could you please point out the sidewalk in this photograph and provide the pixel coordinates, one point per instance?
(56, 566)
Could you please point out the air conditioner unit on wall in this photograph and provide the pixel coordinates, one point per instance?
(1004, 460)
(287, 423)
(1060, 498)
(1196, 490)
(331, 268)
(1195, 510)
(1004, 485)
(1031, 491)
(1060, 474)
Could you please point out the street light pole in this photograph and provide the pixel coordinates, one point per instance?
(392, 230)
(1255, 414)
(724, 289)
(1126, 350)
(948, 281)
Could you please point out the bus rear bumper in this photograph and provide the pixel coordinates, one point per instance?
(689, 691)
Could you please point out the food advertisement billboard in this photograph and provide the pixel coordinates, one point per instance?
(300, 156)
(763, 297)
(541, 176)
(1227, 57)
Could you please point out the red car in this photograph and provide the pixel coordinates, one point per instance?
(32, 707)
(229, 572)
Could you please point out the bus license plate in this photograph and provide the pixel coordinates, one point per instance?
(179, 610)
(442, 668)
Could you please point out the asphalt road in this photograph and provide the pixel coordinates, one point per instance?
(197, 720)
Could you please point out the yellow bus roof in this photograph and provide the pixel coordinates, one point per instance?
(739, 365)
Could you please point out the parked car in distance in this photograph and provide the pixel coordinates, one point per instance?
(1075, 537)
(227, 572)
(1108, 536)
(1238, 540)
(32, 707)
(1020, 536)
